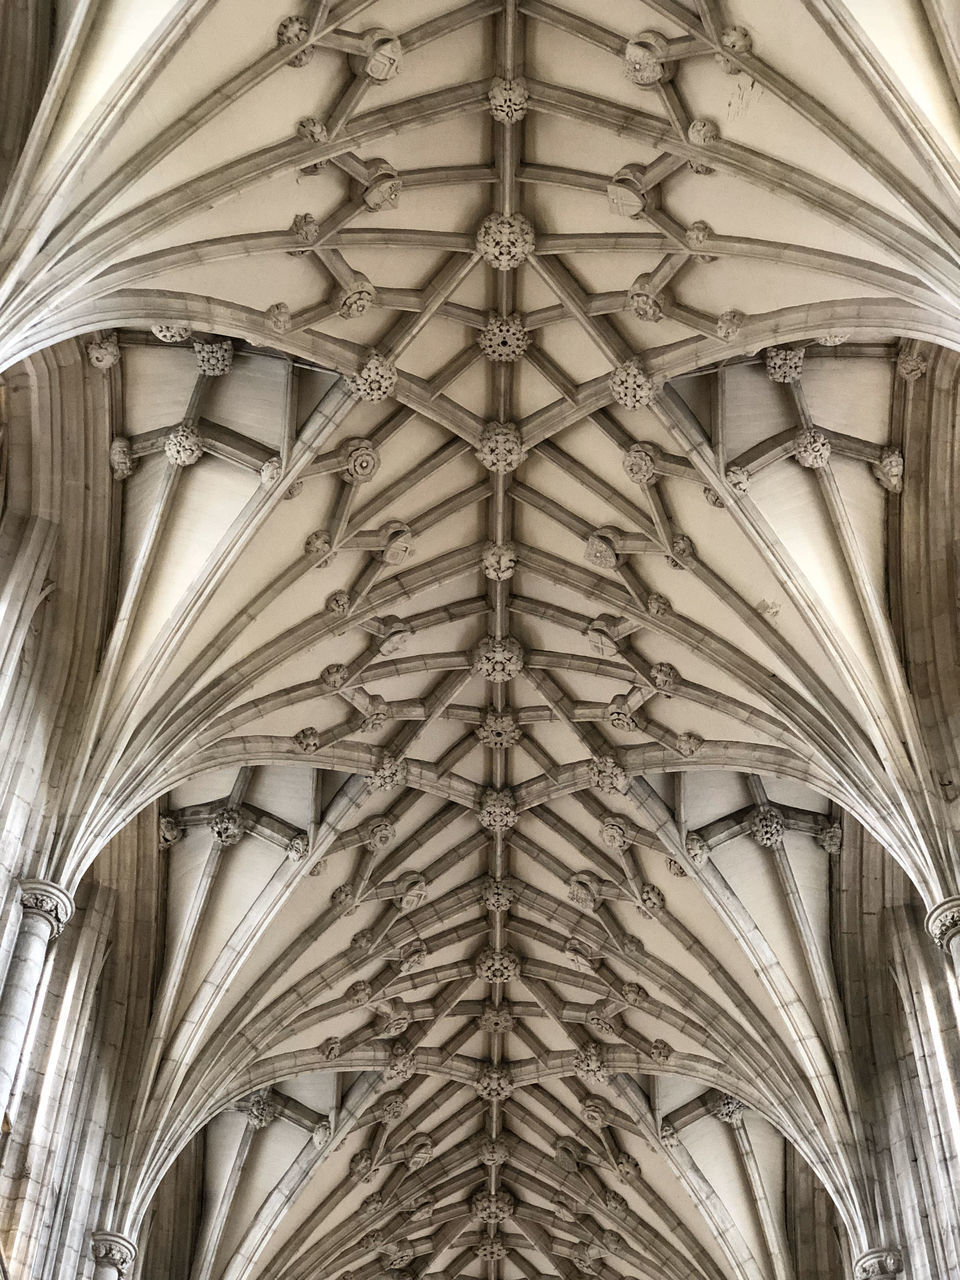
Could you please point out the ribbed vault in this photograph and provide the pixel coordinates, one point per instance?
(509, 439)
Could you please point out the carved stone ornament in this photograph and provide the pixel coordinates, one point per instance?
(702, 133)
(630, 386)
(582, 955)
(498, 731)
(682, 550)
(391, 1107)
(227, 826)
(310, 129)
(411, 891)
(598, 633)
(497, 965)
(627, 196)
(383, 187)
(498, 660)
(729, 324)
(122, 462)
(491, 1249)
(294, 31)
(664, 676)
(652, 899)
(306, 228)
(361, 1166)
(767, 826)
(669, 1137)
(784, 364)
(401, 1065)
(633, 994)
(271, 471)
(583, 890)
(43, 898)
(279, 317)
(911, 366)
(505, 240)
(413, 955)
(169, 830)
(319, 544)
(494, 1152)
(382, 56)
(620, 716)
(811, 448)
(675, 869)
(595, 1112)
(738, 478)
(309, 739)
(733, 40)
(494, 1206)
(499, 561)
(114, 1250)
(344, 899)
(297, 848)
(356, 299)
(495, 1020)
(943, 922)
(644, 59)
(321, 1134)
(398, 542)
(171, 332)
(640, 464)
(689, 744)
(878, 1264)
(697, 849)
(508, 99)
(214, 359)
(500, 447)
(378, 835)
(498, 809)
(833, 339)
(504, 339)
(699, 233)
(104, 353)
(888, 470)
(498, 893)
(374, 381)
(726, 1109)
(600, 550)
(657, 605)
(589, 1066)
(360, 461)
(183, 445)
(829, 836)
(260, 1109)
(713, 497)
(607, 775)
(646, 305)
(390, 773)
(417, 1152)
(613, 833)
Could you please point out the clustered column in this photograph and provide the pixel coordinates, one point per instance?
(46, 908)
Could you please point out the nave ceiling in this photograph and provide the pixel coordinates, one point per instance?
(507, 406)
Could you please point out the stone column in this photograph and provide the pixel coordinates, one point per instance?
(113, 1255)
(878, 1264)
(943, 926)
(46, 909)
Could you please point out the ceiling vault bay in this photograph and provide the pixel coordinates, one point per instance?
(506, 468)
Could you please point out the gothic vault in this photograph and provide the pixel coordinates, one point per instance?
(479, 659)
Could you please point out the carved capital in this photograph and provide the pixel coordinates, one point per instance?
(878, 1264)
(41, 897)
(112, 1250)
(943, 922)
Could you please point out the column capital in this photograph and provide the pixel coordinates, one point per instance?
(943, 921)
(47, 899)
(878, 1264)
(113, 1250)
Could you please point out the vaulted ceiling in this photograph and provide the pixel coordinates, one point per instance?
(510, 401)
